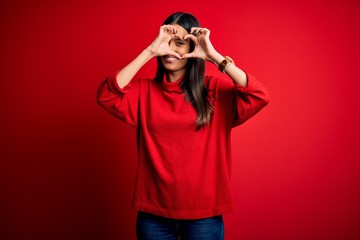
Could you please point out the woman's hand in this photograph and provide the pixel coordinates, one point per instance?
(203, 47)
(160, 46)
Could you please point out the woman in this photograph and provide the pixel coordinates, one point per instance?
(183, 121)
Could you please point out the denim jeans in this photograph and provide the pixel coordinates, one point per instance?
(151, 227)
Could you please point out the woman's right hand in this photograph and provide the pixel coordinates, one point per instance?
(160, 46)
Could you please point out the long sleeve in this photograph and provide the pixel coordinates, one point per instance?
(238, 102)
(120, 102)
(174, 158)
(249, 100)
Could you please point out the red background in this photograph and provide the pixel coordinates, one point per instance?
(68, 167)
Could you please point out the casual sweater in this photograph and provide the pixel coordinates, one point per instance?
(182, 172)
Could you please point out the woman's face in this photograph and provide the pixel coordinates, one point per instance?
(177, 44)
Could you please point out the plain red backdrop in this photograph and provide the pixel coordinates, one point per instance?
(68, 167)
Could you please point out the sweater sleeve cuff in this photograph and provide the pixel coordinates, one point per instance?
(114, 86)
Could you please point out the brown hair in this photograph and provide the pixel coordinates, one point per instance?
(193, 83)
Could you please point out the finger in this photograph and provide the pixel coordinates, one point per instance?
(192, 55)
(172, 29)
(197, 31)
(192, 37)
(188, 55)
(175, 54)
(176, 35)
(166, 26)
(193, 29)
(164, 29)
(205, 30)
(169, 28)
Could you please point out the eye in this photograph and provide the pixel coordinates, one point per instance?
(180, 43)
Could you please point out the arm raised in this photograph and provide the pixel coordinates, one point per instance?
(159, 47)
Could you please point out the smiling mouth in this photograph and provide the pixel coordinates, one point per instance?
(170, 58)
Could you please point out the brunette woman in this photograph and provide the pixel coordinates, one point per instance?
(183, 121)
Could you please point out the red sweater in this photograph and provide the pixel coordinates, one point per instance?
(182, 173)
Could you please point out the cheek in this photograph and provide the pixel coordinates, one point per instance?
(185, 49)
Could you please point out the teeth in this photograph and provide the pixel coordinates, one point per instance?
(171, 58)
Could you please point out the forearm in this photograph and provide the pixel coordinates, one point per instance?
(235, 73)
(128, 72)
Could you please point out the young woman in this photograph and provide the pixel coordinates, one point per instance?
(183, 121)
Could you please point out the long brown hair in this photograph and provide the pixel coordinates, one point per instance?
(193, 83)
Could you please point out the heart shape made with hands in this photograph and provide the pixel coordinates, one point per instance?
(199, 37)
(201, 40)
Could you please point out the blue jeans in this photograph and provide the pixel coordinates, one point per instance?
(151, 227)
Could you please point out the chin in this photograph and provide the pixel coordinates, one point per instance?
(176, 66)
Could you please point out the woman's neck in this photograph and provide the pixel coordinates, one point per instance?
(174, 76)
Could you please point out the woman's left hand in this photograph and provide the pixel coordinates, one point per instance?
(203, 47)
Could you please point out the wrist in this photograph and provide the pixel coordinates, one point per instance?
(224, 64)
(149, 52)
(216, 58)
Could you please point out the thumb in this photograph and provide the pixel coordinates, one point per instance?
(188, 55)
(175, 54)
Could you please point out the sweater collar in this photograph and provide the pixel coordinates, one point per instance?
(172, 86)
